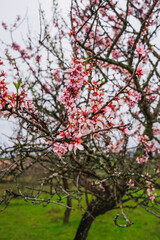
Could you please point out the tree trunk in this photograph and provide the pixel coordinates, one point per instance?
(84, 226)
(69, 202)
(95, 208)
(67, 211)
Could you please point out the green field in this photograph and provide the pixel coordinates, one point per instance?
(25, 221)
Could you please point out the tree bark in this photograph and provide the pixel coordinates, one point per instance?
(95, 209)
(69, 202)
(84, 226)
(67, 211)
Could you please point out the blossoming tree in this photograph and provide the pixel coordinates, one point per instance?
(80, 113)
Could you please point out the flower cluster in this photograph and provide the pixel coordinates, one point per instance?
(150, 189)
(149, 148)
(10, 101)
(132, 98)
(82, 120)
(141, 159)
(73, 83)
(23, 52)
(140, 49)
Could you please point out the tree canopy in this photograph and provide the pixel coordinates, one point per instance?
(87, 108)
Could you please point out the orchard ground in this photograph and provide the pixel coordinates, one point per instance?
(23, 220)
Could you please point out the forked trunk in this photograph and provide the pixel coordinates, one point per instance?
(95, 208)
(84, 227)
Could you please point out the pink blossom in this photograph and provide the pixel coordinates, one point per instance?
(111, 18)
(45, 88)
(142, 159)
(131, 41)
(38, 58)
(152, 197)
(103, 12)
(56, 75)
(151, 194)
(76, 145)
(15, 46)
(141, 70)
(95, 1)
(4, 26)
(130, 11)
(59, 149)
(116, 54)
(131, 182)
(140, 49)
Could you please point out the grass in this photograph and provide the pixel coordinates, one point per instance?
(23, 220)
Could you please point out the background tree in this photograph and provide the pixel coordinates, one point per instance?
(80, 111)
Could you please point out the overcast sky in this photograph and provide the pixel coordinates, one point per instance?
(9, 9)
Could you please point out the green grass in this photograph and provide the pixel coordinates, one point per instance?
(24, 221)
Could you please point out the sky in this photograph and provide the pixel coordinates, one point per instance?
(9, 10)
